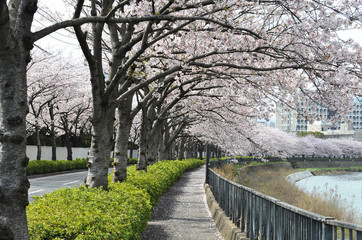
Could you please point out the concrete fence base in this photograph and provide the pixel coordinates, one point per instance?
(226, 227)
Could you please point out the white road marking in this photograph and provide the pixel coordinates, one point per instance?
(70, 182)
(36, 191)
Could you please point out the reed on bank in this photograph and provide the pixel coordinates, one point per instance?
(274, 183)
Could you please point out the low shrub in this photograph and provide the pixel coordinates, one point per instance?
(121, 212)
(83, 213)
(132, 161)
(216, 159)
(47, 166)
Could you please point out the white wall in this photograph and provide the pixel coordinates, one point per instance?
(46, 152)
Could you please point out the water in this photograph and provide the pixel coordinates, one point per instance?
(349, 186)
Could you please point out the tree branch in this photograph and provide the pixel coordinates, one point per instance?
(105, 19)
(145, 83)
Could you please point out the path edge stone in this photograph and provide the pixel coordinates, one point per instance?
(225, 226)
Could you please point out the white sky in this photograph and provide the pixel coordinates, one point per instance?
(63, 40)
(60, 40)
(356, 35)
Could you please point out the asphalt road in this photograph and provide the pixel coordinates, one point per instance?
(41, 185)
(45, 184)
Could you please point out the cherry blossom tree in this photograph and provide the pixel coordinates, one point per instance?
(282, 55)
(172, 130)
(41, 95)
(273, 142)
(71, 111)
(44, 73)
(125, 118)
(16, 42)
(155, 138)
(56, 91)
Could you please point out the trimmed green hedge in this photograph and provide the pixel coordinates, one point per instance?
(121, 212)
(132, 161)
(83, 213)
(48, 166)
(216, 159)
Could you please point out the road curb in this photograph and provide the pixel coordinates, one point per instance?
(226, 227)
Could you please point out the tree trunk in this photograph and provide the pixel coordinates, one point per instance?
(165, 153)
(52, 132)
(14, 184)
(200, 150)
(131, 151)
(68, 145)
(173, 152)
(143, 147)
(181, 149)
(144, 143)
(163, 147)
(101, 144)
(189, 148)
(162, 152)
(54, 145)
(38, 143)
(155, 141)
(121, 145)
(168, 144)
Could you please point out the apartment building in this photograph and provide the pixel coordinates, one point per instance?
(290, 121)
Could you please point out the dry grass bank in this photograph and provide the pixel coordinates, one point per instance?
(274, 184)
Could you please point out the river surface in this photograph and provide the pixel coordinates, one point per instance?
(348, 186)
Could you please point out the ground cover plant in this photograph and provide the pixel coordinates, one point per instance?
(273, 183)
(121, 212)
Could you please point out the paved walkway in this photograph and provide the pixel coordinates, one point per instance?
(182, 212)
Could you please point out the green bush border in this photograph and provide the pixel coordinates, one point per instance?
(121, 212)
(48, 166)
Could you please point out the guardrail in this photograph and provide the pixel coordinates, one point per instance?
(263, 217)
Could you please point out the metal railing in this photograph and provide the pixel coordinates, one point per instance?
(247, 160)
(264, 217)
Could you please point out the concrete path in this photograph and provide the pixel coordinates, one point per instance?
(182, 212)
